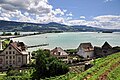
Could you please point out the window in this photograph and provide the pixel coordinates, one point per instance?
(10, 48)
(13, 52)
(104, 51)
(19, 59)
(88, 48)
(6, 52)
(6, 57)
(13, 57)
(9, 52)
(6, 62)
(13, 62)
(0, 60)
(10, 57)
(59, 53)
(10, 62)
(87, 56)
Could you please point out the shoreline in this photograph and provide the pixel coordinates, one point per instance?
(24, 35)
(37, 33)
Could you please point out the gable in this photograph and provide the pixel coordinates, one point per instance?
(10, 49)
(106, 45)
(58, 51)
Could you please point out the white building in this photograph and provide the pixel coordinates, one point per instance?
(14, 55)
(86, 50)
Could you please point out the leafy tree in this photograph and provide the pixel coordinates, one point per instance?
(16, 33)
(47, 66)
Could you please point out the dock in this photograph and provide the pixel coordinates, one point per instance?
(37, 45)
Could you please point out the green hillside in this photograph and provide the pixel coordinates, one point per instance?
(107, 68)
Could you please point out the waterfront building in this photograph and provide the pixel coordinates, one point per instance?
(86, 50)
(60, 54)
(14, 55)
(105, 50)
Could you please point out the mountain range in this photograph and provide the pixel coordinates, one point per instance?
(52, 26)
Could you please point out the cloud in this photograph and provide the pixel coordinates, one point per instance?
(104, 21)
(84, 22)
(108, 21)
(76, 22)
(106, 18)
(58, 11)
(82, 17)
(70, 14)
(108, 0)
(40, 11)
(30, 11)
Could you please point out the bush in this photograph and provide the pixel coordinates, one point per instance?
(14, 73)
(17, 78)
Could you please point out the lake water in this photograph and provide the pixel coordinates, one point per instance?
(70, 40)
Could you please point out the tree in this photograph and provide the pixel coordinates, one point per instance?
(47, 66)
(3, 34)
(6, 34)
(40, 65)
(16, 33)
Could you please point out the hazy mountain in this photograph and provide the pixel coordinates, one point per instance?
(53, 26)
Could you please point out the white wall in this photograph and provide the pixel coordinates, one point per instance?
(16, 55)
(89, 54)
(85, 54)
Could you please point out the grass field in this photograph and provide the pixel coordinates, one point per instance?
(107, 68)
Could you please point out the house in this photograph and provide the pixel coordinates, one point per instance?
(86, 50)
(105, 50)
(60, 54)
(74, 58)
(14, 55)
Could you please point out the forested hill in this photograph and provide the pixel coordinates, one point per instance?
(24, 26)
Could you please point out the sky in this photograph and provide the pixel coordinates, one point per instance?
(95, 13)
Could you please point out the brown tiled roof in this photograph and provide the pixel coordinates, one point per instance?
(19, 46)
(86, 47)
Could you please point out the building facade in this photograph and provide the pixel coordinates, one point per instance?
(60, 54)
(86, 50)
(105, 50)
(14, 55)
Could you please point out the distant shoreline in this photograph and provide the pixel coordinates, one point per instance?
(35, 33)
(24, 35)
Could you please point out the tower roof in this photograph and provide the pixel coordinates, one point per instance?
(106, 45)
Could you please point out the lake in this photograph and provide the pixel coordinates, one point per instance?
(70, 40)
